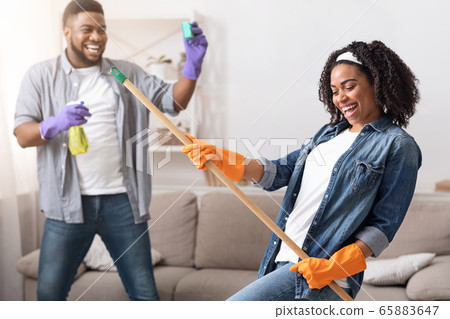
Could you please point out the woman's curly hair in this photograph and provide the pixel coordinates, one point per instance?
(395, 86)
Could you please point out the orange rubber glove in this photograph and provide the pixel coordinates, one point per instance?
(319, 272)
(230, 163)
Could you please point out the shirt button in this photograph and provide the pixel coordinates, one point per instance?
(335, 169)
(274, 242)
(305, 248)
(326, 195)
(295, 194)
(314, 223)
(64, 145)
(75, 84)
(62, 166)
(362, 134)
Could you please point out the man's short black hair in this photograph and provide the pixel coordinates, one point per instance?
(76, 6)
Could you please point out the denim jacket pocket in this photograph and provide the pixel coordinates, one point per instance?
(365, 174)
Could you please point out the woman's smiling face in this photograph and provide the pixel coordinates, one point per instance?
(354, 96)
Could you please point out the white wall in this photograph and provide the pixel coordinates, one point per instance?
(23, 44)
(265, 58)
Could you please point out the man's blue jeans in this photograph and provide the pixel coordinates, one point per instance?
(64, 247)
(279, 285)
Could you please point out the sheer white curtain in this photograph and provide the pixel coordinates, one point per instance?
(29, 33)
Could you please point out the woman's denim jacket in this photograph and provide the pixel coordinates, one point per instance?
(369, 192)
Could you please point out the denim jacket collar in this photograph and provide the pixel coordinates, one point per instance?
(382, 123)
(378, 125)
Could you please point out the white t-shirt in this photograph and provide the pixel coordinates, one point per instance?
(316, 176)
(99, 170)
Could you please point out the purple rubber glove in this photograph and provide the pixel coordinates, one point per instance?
(195, 51)
(71, 115)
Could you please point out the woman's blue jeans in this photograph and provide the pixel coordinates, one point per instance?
(64, 247)
(279, 285)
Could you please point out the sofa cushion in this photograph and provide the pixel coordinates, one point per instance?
(172, 227)
(28, 265)
(213, 284)
(433, 219)
(108, 286)
(29, 289)
(98, 257)
(381, 293)
(229, 235)
(432, 282)
(167, 279)
(395, 271)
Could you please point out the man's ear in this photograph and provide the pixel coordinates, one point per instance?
(67, 31)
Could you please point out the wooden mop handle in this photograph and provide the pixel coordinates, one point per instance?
(213, 168)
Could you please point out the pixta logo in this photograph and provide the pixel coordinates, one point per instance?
(140, 151)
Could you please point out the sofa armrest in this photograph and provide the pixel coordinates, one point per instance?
(432, 282)
(28, 265)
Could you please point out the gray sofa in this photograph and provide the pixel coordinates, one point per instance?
(426, 229)
(212, 246)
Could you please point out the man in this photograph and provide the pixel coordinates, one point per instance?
(94, 192)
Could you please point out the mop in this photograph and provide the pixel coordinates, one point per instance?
(222, 177)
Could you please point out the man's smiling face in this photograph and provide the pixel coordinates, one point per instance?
(86, 39)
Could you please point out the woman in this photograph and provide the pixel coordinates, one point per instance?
(348, 188)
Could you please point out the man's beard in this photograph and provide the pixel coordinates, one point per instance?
(81, 55)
